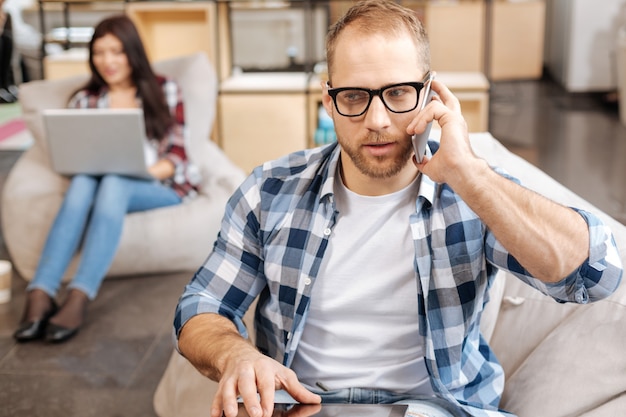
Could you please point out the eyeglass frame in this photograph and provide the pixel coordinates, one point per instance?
(418, 85)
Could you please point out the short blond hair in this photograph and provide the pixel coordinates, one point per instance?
(380, 16)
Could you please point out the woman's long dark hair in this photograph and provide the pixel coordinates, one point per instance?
(156, 112)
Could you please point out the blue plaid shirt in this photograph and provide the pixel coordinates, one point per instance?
(273, 238)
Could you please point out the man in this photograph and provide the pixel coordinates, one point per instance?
(372, 270)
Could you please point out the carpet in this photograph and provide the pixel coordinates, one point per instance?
(14, 136)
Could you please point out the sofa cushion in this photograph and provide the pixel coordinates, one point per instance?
(561, 359)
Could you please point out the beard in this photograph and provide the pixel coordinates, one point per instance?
(374, 166)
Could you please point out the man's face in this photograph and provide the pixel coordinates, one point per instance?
(374, 144)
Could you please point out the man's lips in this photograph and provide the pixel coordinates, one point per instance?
(379, 148)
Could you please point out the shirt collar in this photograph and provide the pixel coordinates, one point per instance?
(427, 186)
(426, 190)
(329, 178)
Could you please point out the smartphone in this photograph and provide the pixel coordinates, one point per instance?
(420, 140)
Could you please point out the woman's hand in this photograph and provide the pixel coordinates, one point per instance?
(162, 169)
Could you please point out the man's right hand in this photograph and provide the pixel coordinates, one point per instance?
(249, 372)
(213, 345)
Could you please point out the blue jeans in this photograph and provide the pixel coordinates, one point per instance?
(428, 406)
(93, 212)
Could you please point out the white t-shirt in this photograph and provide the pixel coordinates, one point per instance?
(362, 324)
(150, 153)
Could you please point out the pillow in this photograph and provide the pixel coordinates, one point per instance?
(561, 359)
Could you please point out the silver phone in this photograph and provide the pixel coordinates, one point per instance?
(420, 140)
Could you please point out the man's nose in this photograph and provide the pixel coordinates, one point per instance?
(377, 116)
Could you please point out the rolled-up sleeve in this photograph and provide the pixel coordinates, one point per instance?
(596, 278)
(232, 275)
(600, 275)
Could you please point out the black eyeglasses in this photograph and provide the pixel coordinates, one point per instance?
(397, 98)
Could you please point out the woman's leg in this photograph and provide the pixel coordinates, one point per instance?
(62, 241)
(65, 235)
(116, 196)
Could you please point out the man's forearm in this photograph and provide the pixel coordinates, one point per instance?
(208, 341)
(549, 240)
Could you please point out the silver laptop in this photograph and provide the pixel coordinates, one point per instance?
(96, 141)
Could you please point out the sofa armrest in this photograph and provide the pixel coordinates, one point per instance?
(28, 207)
(559, 359)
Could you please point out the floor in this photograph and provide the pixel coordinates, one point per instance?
(113, 365)
(575, 138)
(111, 368)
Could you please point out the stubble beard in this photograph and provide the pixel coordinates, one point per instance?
(378, 167)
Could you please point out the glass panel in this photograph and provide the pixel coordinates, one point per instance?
(278, 36)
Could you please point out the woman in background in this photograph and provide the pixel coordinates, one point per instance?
(94, 207)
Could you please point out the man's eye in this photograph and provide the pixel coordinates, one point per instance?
(355, 95)
(396, 92)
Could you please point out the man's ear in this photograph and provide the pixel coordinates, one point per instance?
(327, 100)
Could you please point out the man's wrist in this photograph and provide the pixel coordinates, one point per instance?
(234, 350)
(469, 175)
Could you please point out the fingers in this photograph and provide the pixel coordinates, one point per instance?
(217, 407)
(445, 96)
(247, 385)
(299, 393)
(256, 382)
(444, 107)
(419, 165)
(240, 381)
(225, 400)
(266, 389)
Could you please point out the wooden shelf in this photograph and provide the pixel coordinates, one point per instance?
(66, 64)
(265, 82)
(262, 116)
(174, 29)
(517, 40)
(456, 31)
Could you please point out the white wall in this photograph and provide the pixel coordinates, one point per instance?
(581, 42)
